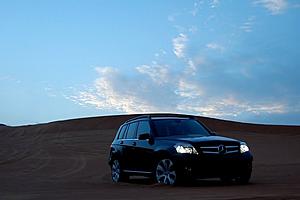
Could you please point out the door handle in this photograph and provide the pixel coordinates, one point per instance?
(121, 142)
(134, 143)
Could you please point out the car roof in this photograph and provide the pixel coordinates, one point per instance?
(170, 118)
(159, 117)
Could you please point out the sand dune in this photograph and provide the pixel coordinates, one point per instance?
(68, 160)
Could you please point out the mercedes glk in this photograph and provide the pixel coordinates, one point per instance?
(176, 148)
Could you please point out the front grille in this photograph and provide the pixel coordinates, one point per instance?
(220, 149)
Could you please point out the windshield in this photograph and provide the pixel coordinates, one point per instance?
(172, 127)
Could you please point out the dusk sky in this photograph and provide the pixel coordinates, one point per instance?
(227, 59)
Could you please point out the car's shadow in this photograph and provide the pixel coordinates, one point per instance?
(195, 183)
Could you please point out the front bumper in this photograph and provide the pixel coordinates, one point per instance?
(210, 166)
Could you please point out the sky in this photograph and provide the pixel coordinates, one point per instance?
(227, 59)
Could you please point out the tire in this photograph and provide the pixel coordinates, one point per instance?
(165, 172)
(245, 175)
(244, 178)
(116, 172)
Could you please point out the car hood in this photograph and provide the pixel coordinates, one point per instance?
(199, 139)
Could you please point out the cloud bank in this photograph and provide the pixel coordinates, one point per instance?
(159, 89)
(274, 6)
(214, 76)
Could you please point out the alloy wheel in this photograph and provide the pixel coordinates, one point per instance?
(165, 172)
(115, 171)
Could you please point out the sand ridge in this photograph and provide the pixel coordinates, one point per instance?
(68, 160)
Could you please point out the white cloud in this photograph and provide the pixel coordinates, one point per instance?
(198, 3)
(50, 92)
(215, 46)
(106, 70)
(196, 83)
(4, 78)
(267, 108)
(188, 89)
(172, 17)
(195, 9)
(274, 6)
(9, 78)
(179, 45)
(248, 25)
(192, 65)
(116, 91)
(158, 73)
(231, 107)
(193, 29)
(214, 3)
(191, 68)
(112, 91)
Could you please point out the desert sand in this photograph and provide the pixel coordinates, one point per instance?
(68, 160)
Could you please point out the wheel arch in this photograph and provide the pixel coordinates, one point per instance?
(161, 154)
(113, 155)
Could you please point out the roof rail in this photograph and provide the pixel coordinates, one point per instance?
(148, 116)
(138, 117)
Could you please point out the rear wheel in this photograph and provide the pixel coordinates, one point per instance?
(116, 172)
(165, 172)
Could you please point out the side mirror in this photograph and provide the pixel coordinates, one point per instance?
(213, 133)
(144, 136)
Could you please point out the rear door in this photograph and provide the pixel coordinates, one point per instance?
(121, 148)
(129, 144)
(144, 150)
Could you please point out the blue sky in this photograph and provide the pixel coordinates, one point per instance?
(236, 60)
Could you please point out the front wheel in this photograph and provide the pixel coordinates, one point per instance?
(244, 178)
(245, 175)
(165, 172)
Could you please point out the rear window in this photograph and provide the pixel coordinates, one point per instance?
(172, 127)
(131, 131)
(122, 132)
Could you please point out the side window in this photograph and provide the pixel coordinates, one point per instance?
(122, 132)
(131, 131)
(118, 132)
(143, 128)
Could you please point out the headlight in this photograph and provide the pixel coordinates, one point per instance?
(243, 147)
(185, 148)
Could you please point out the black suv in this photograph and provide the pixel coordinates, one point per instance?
(174, 148)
